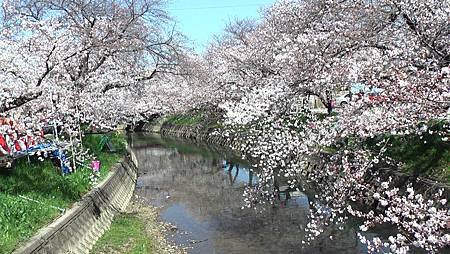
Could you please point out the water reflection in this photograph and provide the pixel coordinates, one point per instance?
(201, 194)
(238, 173)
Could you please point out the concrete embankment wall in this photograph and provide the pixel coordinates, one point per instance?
(80, 227)
(196, 133)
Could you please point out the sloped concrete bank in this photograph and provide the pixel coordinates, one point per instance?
(399, 179)
(80, 227)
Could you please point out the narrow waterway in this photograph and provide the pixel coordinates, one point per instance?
(200, 192)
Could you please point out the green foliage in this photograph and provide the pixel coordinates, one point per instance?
(207, 118)
(92, 141)
(107, 159)
(184, 119)
(126, 235)
(425, 155)
(322, 116)
(43, 182)
(330, 149)
(20, 219)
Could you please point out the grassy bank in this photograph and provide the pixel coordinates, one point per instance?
(206, 118)
(137, 231)
(20, 217)
(125, 236)
(425, 155)
(184, 119)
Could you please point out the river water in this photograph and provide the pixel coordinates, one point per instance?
(200, 192)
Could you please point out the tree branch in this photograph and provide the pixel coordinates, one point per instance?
(19, 101)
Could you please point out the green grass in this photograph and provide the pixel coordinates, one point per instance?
(421, 156)
(20, 218)
(431, 158)
(322, 116)
(126, 235)
(207, 118)
(107, 159)
(41, 181)
(184, 119)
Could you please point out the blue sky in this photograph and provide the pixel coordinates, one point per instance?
(199, 20)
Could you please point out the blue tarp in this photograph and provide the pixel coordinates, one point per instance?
(358, 88)
(48, 147)
(37, 148)
(65, 164)
(363, 88)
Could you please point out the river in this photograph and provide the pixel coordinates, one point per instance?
(199, 190)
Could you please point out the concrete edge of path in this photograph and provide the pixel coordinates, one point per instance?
(79, 228)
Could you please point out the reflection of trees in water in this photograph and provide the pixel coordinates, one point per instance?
(230, 169)
(211, 192)
(233, 170)
(190, 178)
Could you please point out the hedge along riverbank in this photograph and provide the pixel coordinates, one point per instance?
(79, 228)
(34, 194)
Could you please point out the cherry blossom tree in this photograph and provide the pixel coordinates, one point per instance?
(82, 48)
(305, 48)
(102, 63)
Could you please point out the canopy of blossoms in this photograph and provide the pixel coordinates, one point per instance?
(104, 63)
(318, 48)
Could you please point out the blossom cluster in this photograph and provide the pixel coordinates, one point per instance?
(304, 49)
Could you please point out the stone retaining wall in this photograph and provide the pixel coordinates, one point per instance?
(197, 134)
(80, 227)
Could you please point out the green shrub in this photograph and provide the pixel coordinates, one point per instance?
(425, 155)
